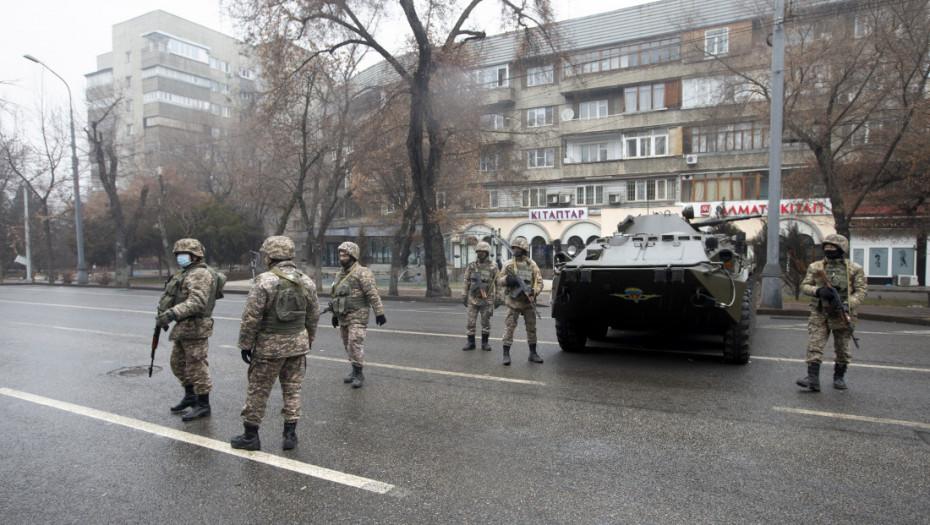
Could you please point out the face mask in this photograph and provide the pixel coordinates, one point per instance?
(832, 254)
(184, 260)
(482, 256)
(268, 261)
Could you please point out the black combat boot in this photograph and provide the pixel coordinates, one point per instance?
(290, 435)
(484, 343)
(534, 357)
(190, 399)
(249, 440)
(470, 345)
(351, 377)
(359, 376)
(839, 371)
(506, 355)
(812, 381)
(201, 409)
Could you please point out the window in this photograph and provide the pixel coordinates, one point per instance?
(492, 122)
(246, 73)
(494, 77)
(214, 63)
(128, 56)
(588, 195)
(224, 66)
(716, 42)
(635, 55)
(731, 137)
(651, 190)
(594, 152)
(534, 197)
(652, 143)
(215, 132)
(860, 29)
(161, 71)
(187, 50)
(537, 76)
(440, 200)
(224, 89)
(644, 98)
(177, 100)
(129, 106)
(489, 162)
(226, 112)
(595, 109)
(540, 158)
(705, 187)
(539, 117)
(491, 200)
(129, 129)
(128, 81)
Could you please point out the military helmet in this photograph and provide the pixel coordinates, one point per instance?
(278, 247)
(350, 248)
(483, 247)
(839, 241)
(191, 246)
(520, 242)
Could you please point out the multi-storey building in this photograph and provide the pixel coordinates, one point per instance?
(178, 83)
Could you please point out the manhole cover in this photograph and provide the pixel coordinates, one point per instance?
(134, 371)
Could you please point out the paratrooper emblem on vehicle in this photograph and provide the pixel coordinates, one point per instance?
(634, 294)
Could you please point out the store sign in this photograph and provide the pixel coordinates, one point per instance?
(559, 214)
(788, 207)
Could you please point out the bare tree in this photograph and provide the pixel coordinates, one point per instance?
(437, 31)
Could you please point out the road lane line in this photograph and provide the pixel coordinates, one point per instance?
(837, 415)
(854, 365)
(82, 330)
(307, 469)
(424, 370)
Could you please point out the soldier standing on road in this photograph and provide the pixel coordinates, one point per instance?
(474, 302)
(354, 292)
(849, 280)
(524, 268)
(189, 298)
(278, 325)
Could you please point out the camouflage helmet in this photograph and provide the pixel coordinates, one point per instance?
(351, 249)
(278, 247)
(839, 241)
(520, 242)
(483, 247)
(191, 246)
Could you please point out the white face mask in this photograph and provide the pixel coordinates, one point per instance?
(184, 260)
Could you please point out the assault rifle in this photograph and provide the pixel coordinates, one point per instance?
(155, 337)
(524, 291)
(479, 285)
(836, 302)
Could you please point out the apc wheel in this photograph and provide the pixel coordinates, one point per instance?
(570, 334)
(598, 332)
(736, 341)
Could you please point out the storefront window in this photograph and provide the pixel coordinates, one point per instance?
(902, 261)
(878, 262)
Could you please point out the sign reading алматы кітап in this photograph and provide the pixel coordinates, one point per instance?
(559, 214)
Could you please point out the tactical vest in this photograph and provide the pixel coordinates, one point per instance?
(172, 296)
(525, 272)
(343, 301)
(287, 313)
(486, 273)
(839, 279)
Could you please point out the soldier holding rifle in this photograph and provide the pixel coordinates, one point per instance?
(838, 287)
(478, 295)
(522, 281)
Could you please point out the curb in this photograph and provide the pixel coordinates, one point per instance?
(868, 316)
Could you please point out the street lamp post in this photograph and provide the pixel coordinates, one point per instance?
(78, 219)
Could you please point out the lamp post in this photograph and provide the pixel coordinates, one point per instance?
(78, 220)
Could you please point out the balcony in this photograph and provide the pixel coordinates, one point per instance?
(502, 96)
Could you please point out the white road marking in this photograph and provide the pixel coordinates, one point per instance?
(854, 365)
(81, 330)
(219, 446)
(424, 370)
(852, 417)
(122, 310)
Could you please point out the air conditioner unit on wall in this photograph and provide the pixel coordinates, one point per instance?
(613, 198)
(552, 199)
(691, 159)
(565, 198)
(906, 280)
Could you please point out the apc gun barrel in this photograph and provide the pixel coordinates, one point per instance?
(714, 222)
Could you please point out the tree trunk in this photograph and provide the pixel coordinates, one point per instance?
(162, 229)
(47, 231)
(400, 246)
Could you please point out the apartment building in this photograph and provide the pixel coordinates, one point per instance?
(180, 85)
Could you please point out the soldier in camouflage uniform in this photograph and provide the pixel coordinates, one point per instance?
(474, 302)
(849, 280)
(354, 292)
(520, 267)
(189, 298)
(278, 326)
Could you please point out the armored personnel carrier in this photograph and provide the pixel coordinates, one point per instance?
(658, 272)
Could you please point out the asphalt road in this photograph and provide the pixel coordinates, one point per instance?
(652, 429)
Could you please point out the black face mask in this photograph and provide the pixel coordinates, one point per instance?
(348, 262)
(833, 254)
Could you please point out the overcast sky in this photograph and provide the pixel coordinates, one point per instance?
(67, 35)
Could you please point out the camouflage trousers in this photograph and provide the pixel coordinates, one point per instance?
(353, 339)
(290, 372)
(513, 317)
(473, 311)
(189, 364)
(819, 328)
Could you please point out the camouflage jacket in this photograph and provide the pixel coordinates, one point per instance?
(489, 271)
(846, 276)
(260, 300)
(197, 284)
(362, 286)
(529, 272)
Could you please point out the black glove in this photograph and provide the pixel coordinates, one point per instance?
(380, 319)
(335, 321)
(512, 280)
(247, 356)
(465, 300)
(164, 318)
(824, 293)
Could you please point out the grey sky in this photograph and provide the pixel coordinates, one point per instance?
(69, 34)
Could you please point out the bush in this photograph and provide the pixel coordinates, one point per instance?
(103, 278)
(67, 276)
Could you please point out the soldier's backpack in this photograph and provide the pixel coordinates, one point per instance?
(220, 279)
(290, 301)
